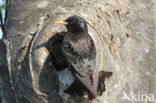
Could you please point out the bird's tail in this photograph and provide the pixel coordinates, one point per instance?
(78, 88)
(101, 82)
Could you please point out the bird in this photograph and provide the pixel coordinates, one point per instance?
(79, 51)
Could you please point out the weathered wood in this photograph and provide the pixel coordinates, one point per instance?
(124, 36)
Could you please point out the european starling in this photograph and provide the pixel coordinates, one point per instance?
(80, 53)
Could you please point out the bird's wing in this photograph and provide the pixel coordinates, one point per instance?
(83, 65)
(81, 56)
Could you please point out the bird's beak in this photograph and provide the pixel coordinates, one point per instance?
(61, 22)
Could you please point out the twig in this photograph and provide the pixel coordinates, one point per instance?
(2, 25)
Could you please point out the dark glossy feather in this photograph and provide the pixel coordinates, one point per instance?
(80, 53)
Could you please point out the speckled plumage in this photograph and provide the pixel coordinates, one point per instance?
(79, 53)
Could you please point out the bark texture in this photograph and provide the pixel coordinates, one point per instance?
(124, 34)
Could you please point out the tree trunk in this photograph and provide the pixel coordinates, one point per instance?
(124, 34)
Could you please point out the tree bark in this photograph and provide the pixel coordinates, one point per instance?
(124, 34)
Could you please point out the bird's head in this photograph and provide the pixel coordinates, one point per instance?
(74, 24)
